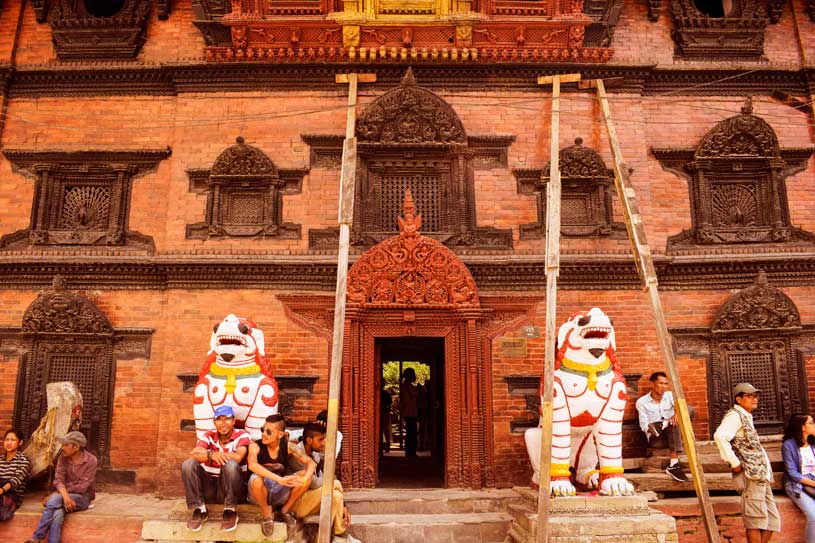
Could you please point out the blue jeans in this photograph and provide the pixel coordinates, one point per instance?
(54, 515)
(807, 506)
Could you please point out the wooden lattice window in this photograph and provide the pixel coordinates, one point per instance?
(410, 138)
(244, 195)
(737, 186)
(756, 337)
(586, 186)
(82, 198)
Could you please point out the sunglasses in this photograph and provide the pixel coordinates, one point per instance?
(268, 431)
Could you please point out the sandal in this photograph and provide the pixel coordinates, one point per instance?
(267, 526)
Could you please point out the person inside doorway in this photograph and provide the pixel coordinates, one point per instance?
(409, 409)
(657, 417)
(739, 446)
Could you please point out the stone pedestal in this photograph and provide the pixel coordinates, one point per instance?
(592, 519)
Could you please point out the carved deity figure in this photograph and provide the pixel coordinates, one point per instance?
(237, 374)
(588, 403)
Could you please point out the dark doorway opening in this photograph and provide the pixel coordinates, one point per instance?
(412, 448)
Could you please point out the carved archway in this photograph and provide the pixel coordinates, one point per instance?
(411, 285)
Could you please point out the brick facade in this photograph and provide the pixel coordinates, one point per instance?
(199, 125)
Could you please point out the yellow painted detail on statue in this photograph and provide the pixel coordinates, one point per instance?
(610, 470)
(230, 374)
(560, 470)
(591, 370)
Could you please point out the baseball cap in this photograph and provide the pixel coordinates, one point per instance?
(745, 388)
(75, 438)
(224, 411)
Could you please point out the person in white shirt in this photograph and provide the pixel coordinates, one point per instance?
(739, 446)
(657, 418)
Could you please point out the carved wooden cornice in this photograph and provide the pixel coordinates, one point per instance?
(724, 270)
(171, 79)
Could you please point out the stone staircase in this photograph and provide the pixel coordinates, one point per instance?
(649, 473)
(377, 516)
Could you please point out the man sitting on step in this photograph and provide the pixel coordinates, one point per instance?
(214, 472)
(269, 484)
(313, 446)
(658, 420)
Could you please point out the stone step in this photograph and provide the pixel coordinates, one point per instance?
(662, 482)
(432, 528)
(429, 501)
(176, 530)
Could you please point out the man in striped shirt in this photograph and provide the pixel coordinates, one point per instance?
(214, 472)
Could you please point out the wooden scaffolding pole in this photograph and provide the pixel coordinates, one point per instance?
(645, 267)
(552, 271)
(346, 216)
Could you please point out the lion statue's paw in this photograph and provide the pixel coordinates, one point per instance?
(562, 488)
(616, 486)
(594, 481)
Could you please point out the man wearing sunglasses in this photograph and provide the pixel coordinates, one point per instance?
(214, 472)
(270, 485)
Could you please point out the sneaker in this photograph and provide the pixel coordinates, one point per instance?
(267, 526)
(677, 473)
(197, 520)
(229, 521)
(290, 520)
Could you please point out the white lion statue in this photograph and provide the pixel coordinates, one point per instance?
(588, 403)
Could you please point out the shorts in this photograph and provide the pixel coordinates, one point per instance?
(276, 494)
(758, 508)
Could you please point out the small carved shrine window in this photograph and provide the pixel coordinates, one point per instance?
(244, 195)
(411, 139)
(98, 29)
(585, 199)
(756, 337)
(82, 198)
(737, 184)
(716, 29)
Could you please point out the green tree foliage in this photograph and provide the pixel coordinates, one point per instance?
(390, 373)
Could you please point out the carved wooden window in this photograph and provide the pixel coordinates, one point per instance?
(711, 29)
(587, 184)
(756, 337)
(98, 29)
(409, 138)
(737, 185)
(244, 195)
(82, 198)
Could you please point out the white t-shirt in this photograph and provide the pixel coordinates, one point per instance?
(807, 460)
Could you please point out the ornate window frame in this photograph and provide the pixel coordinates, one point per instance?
(740, 34)
(758, 333)
(62, 329)
(411, 132)
(80, 35)
(736, 177)
(81, 198)
(586, 183)
(243, 179)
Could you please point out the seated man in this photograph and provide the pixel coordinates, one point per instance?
(75, 482)
(214, 471)
(296, 434)
(658, 420)
(269, 486)
(313, 445)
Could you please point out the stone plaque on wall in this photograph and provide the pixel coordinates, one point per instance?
(512, 347)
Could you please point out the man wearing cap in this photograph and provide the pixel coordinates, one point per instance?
(214, 472)
(74, 481)
(738, 444)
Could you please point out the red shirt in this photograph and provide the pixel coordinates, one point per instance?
(211, 442)
(77, 477)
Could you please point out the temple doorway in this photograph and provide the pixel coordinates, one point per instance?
(411, 448)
